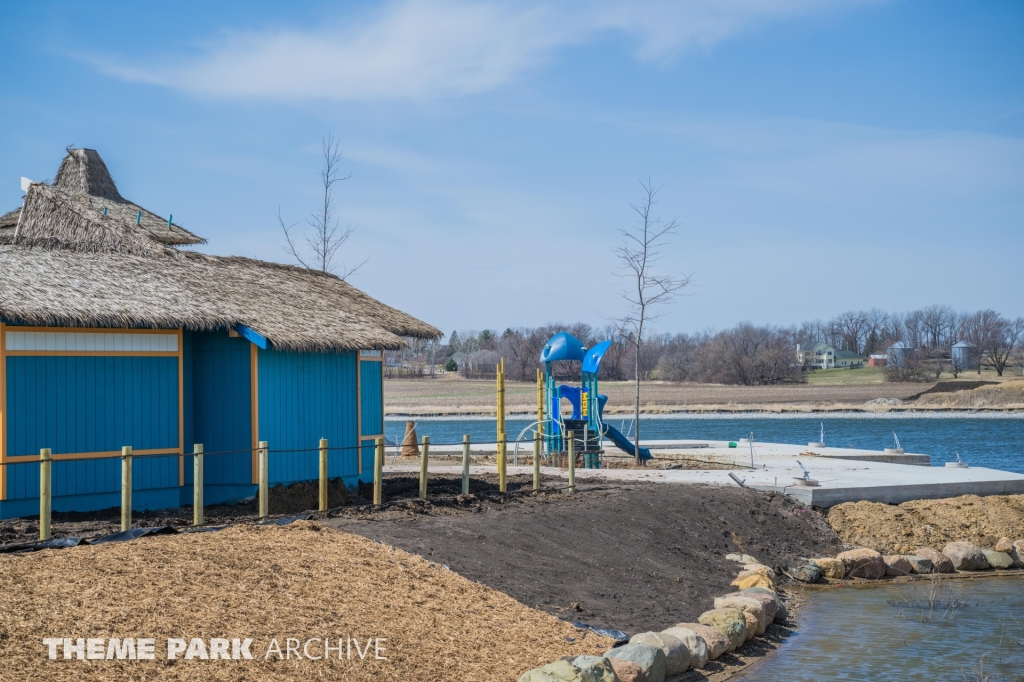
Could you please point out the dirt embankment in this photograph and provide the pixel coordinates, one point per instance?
(1008, 395)
(299, 581)
(893, 529)
(634, 557)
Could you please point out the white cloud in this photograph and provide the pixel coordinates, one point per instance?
(426, 48)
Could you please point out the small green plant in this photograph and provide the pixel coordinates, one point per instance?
(451, 365)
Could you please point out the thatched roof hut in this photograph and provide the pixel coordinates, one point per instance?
(77, 254)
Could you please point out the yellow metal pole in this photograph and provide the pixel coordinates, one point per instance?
(465, 464)
(500, 377)
(424, 455)
(126, 488)
(378, 471)
(502, 454)
(323, 474)
(45, 506)
(197, 485)
(264, 457)
(536, 460)
(572, 461)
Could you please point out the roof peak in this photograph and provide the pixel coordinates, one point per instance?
(83, 172)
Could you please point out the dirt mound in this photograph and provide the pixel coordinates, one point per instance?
(894, 529)
(1007, 395)
(300, 581)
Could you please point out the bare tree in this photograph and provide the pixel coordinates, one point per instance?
(640, 250)
(327, 235)
(1004, 339)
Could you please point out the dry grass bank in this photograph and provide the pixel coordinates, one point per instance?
(1008, 395)
(893, 529)
(299, 581)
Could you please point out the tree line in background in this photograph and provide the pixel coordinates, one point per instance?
(746, 354)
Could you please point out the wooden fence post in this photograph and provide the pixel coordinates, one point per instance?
(536, 459)
(378, 471)
(197, 484)
(126, 488)
(572, 461)
(465, 464)
(264, 462)
(502, 454)
(424, 454)
(323, 473)
(45, 503)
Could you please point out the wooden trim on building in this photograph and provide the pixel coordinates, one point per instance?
(254, 388)
(3, 414)
(95, 353)
(20, 459)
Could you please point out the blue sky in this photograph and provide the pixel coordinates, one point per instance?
(820, 156)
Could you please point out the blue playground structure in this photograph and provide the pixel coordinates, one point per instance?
(587, 419)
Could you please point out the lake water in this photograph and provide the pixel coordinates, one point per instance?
(854, 634)
(983, 440)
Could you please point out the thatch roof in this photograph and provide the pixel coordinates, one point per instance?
(84, 182)
(72, 266)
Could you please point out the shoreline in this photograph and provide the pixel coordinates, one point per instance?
(471, 414)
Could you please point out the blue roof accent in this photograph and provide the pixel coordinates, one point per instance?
(562, 346)
(592, 360)
(257, 338)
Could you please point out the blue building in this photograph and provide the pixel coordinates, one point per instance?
(112, 334)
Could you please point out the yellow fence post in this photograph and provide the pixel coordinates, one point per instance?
(197, 484)
(500, 377)
(45, 506)
(126, 488)
(572, 461)
(424, 454)
(323, 473)
(378, 471)
(536, 460)
(502, 456)
(465, 464)
(540, 403)
(264, 457)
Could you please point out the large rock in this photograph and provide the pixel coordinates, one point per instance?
(595, 669)
(750, 605)
(716, 642)
(768, 603)
(677, 656)
(651, 659)
(966, 556)
(694, 643)
(1017, 553)
(896, 564)
(627, 671)
(806, 573)
(752, 625)
(756, 580)
(741, 558)
(559, 671)
(781, 613)
(997, 559)
(730, 622)
(1005, 545)
(918, 564)
(940, 562)
(863, 563)
(758, 569)
(830, 568)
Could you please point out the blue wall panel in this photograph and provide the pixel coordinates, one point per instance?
(91, 404)
(221, 408)
(372, 387)
(304, 397)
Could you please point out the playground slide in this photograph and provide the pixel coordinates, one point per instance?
(623, 443)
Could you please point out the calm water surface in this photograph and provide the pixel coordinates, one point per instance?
(854, 634)
(981, 440)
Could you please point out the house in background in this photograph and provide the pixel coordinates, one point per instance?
(877, 360)
(111, 336)
(820, 355)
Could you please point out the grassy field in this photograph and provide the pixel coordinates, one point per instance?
(846, 377)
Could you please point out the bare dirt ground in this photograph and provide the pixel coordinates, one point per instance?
(634, 557)
(299, 581)
(453, 395)
(892, 529)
